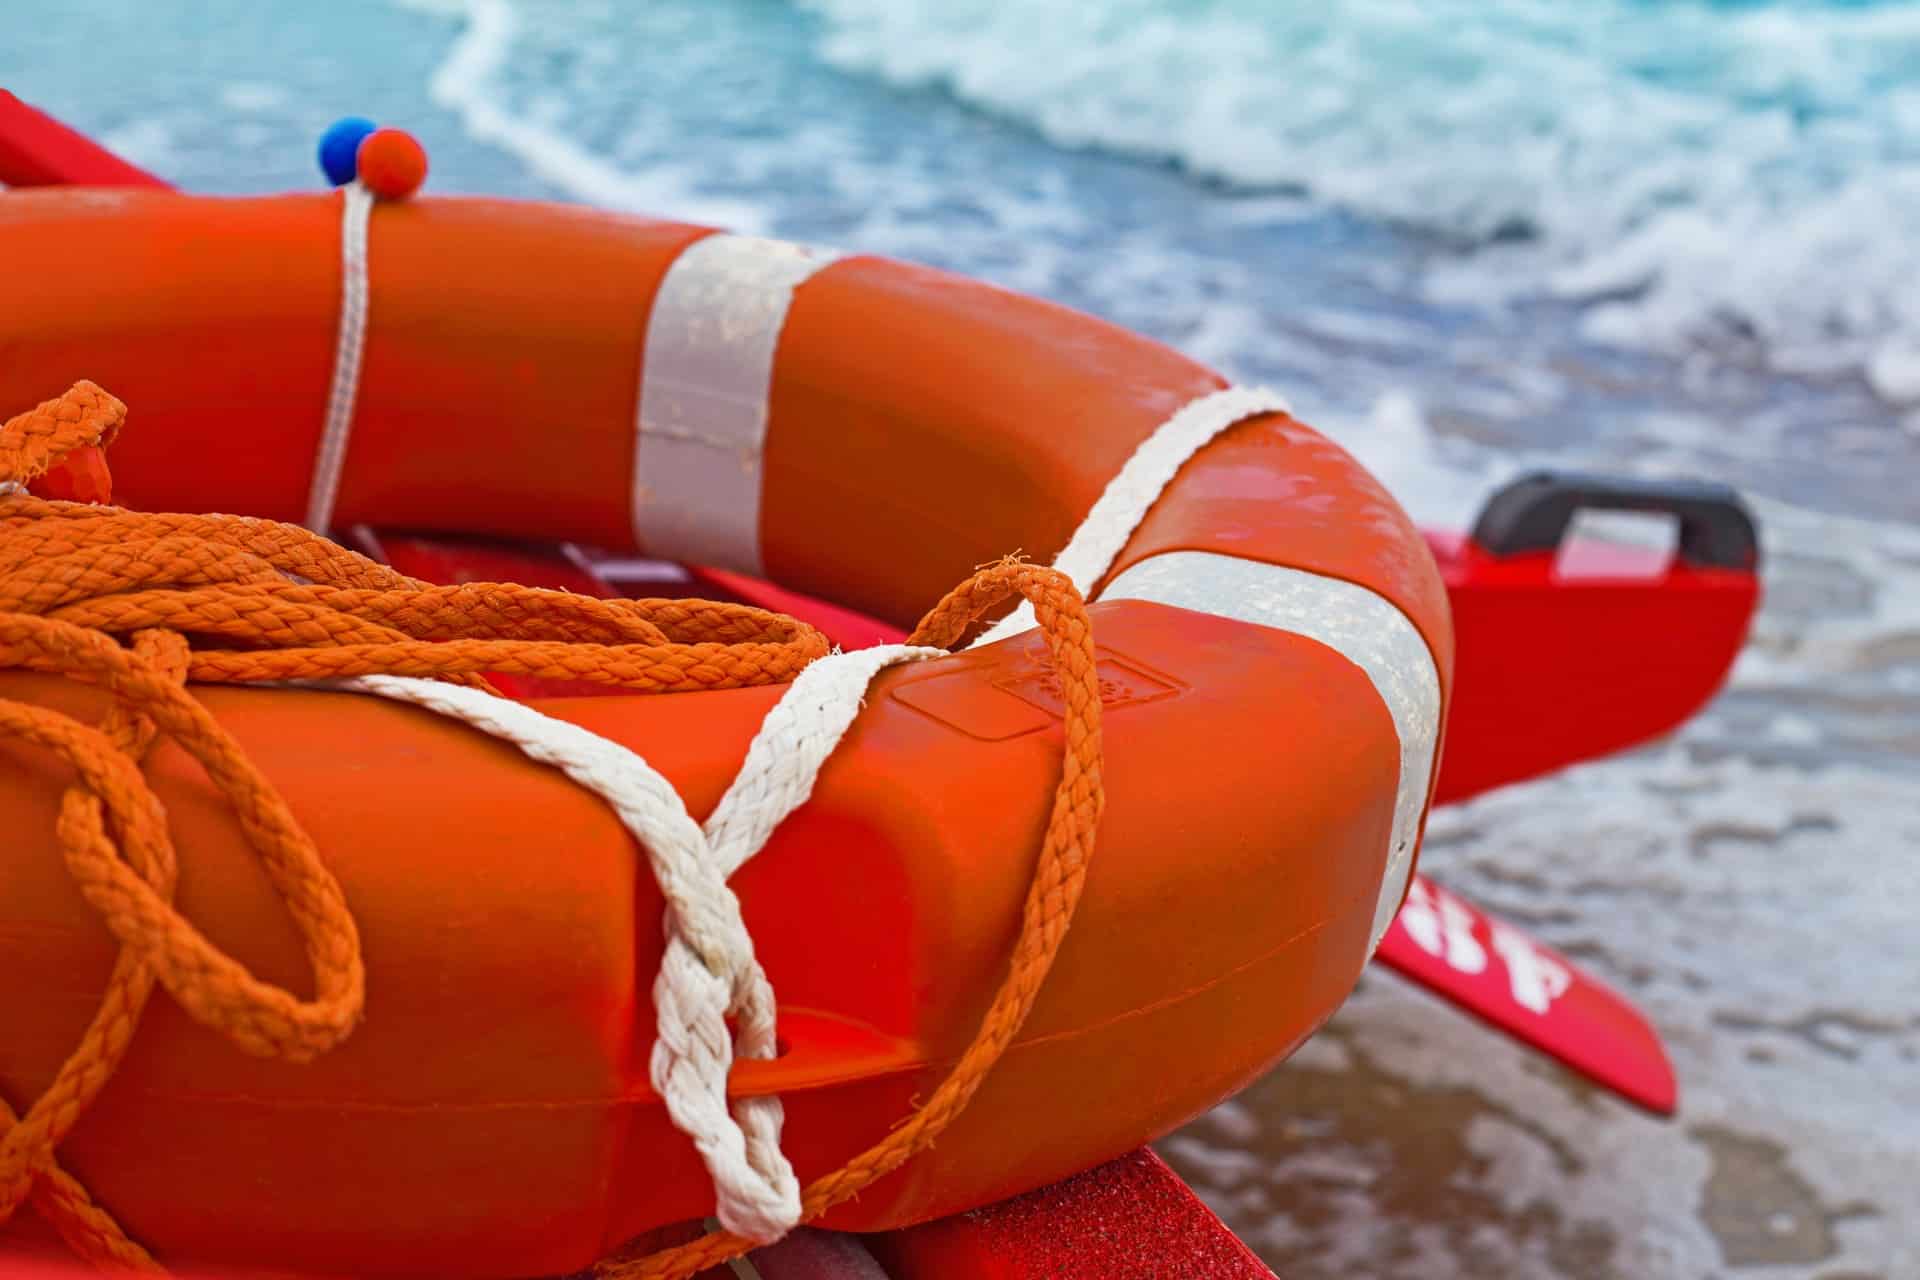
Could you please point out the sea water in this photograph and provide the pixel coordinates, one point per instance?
(1466, 239)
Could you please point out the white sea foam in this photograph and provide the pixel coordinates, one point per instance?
(1697, 174)
(1751, 883)
(1895, 372)
(251, 95)
(466, 83)
(148, 143)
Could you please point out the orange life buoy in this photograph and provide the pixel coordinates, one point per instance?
(1275, 654)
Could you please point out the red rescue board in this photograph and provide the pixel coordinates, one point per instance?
(1527, 989)
(1569, 651)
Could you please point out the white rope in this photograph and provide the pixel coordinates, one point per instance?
(1138, 485)
(356, 205)
(708, 972)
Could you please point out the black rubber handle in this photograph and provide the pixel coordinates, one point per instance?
(1534, 512)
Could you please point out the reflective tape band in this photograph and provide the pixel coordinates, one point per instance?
(1366, 628)
(1132, 492)
(701, 425)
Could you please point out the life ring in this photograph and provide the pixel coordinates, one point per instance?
(1275, 649)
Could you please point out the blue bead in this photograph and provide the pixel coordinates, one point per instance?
(339, 145)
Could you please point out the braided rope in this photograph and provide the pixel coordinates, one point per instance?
(73, 578)
(1052, 599)
(708, 973)
(356, 210)
(1124, 503)
(1052, 896)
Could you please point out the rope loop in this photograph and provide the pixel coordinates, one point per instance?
(140, 605)
(1053, 894)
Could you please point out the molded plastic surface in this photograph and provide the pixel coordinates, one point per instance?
(492, 1115)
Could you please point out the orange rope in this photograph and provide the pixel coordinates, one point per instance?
(1052, 895)
(279, 603)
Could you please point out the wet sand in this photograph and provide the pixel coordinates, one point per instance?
(1344, 1164)
(1752, 884)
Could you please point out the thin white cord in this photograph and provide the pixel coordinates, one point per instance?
(356, 205)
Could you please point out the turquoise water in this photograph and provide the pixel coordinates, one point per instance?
(1465, 238)
(1557, 225)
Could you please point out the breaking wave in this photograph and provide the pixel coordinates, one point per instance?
(1741, 177)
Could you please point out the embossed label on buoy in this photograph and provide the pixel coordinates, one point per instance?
(1122, 683)
(1027, 698)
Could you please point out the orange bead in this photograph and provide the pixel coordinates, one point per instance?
(392, 164)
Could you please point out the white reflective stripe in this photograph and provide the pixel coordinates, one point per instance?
(1124, 503)
(701, 424)
(1366, 628)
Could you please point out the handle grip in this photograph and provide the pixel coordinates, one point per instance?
(1533, 514)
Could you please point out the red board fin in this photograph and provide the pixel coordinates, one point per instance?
(1527, 989)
